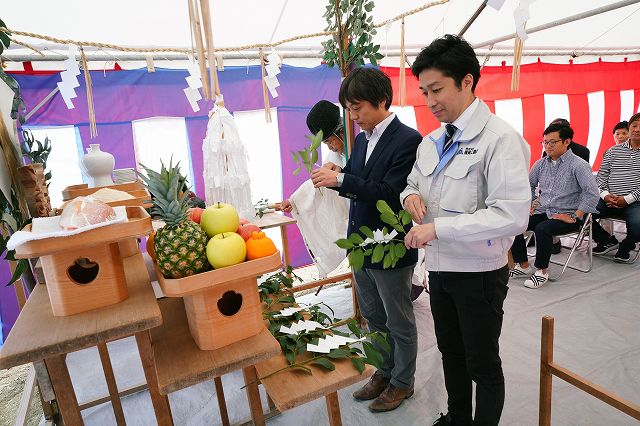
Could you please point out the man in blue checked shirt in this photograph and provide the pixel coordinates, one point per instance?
(568, 191)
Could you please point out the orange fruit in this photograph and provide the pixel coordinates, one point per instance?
(150, 245)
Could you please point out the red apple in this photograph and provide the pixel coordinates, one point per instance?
(243, 221)
(245, 230)
(195, 213)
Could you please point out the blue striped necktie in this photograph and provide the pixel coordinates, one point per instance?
(448, 141)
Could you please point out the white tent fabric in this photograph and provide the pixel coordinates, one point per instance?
(166, 23)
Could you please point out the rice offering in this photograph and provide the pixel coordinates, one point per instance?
(109, 195)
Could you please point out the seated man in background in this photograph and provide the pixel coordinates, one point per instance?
(619, 183)
(568, 191)
(621, 132)
(579, 150)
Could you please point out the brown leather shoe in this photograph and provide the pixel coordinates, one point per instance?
(373, 388)
(390, 398)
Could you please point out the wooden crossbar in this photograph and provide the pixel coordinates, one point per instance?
(548, 369)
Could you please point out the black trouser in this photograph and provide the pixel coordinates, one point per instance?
(467, 313)
(544, 230)
(631, 216)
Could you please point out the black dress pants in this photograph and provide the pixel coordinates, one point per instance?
(467, 313)
(544, 229)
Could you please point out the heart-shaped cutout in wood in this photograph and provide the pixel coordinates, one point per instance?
(83, 271)
(230, 303)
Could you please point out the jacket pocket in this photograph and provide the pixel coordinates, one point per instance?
(427, 165)
(460, 186)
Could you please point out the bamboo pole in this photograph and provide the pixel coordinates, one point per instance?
(213, 70)
(403, 64)
(265, 92)
(194, 15)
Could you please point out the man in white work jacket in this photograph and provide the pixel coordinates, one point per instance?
(469, 191)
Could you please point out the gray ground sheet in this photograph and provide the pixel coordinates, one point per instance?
(597, 335)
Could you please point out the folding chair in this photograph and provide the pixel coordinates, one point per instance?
(579, 235)
(614, 220)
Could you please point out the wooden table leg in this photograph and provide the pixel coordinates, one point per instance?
(160, 402)
(546, 357)
(222, 403)
(253, 395)
(357, 315)
(285, 249)
(111, 383)
(333, 409)
(63, 388)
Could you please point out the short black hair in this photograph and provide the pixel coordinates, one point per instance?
(565, 132)
(621, 125)
(634, 117)
(562, 121)
(366, 84)
(452, 56)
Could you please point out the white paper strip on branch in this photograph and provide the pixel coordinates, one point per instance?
(328, 343)
(272, 70)
(194, 80)
(225, 171)
(301, 326)
(287, 312)
(521, 15)
(69, 77)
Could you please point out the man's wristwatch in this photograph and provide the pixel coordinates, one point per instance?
(574, 217)
(340, 178)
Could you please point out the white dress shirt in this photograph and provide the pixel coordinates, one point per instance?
(374, 136)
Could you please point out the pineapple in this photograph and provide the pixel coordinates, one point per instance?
(180, 246)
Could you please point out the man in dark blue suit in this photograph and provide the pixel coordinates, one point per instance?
(382, 158)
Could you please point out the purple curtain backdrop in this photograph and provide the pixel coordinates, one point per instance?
(121, 97)
(196, 131)
(8, 303)
(114, 138)
(292, 128)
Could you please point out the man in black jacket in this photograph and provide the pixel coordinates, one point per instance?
(382, 158)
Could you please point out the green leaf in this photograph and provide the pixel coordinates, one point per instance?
(338, 353)
(353, 327)
(325, 363)
(405, 217)
(400, 250)
(389, 218)
(387, 261)
(381, 340)
(398, 228)
(356, 259)
(356, 239)
(368, 252)
(20, 268)
(296, 172)
(373, 356)
(344, 243)
(369, 6)
(358, 363)
(378, 253)
(383, 207)
(314, 156)
(366, 231)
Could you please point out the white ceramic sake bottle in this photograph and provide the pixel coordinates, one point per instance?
(98, 166)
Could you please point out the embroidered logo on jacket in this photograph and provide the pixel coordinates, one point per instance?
(467, 151)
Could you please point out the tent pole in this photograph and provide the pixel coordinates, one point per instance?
(473, 18)
(568, 19)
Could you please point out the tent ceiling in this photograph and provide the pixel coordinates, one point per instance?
(165, 22)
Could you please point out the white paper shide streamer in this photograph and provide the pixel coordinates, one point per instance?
(226, 175)
(70, 77)
(194, 80)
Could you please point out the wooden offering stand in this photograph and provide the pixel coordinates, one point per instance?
(136, 189)
(84, 271)
(223, 306)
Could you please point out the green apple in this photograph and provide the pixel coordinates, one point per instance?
(226, 249)
(219, 218)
